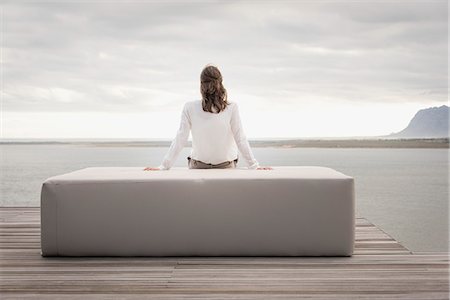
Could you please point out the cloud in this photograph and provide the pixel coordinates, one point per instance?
(147, 56)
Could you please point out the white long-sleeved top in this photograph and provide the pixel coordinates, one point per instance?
(216, 138)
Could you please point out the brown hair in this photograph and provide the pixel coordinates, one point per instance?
(214, 95)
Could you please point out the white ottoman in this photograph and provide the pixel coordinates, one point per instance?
(125, 211)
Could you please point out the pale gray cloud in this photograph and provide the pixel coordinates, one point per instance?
(147, 55)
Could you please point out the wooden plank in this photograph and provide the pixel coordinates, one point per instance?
(380, 269)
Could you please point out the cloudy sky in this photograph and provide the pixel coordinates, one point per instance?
(296, 68)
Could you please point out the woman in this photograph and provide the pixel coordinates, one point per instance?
(216, 129)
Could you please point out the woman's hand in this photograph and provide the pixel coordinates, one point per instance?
(264, 168)
(151, 169)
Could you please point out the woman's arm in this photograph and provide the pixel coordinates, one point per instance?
(179, 142)
(241, 139)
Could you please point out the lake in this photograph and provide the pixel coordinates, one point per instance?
(403, 191)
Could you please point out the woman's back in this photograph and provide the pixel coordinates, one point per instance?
(216, 127)
(212, 136)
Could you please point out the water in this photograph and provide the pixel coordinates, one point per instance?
(402, 191)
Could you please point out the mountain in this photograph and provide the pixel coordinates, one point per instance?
(427, 123)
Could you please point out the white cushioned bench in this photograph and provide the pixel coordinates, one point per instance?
(125, 211)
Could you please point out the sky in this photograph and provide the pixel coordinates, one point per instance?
(124, 69)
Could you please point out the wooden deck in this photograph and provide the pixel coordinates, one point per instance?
(380, 269)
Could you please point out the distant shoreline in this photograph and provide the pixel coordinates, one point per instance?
(282, 143)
